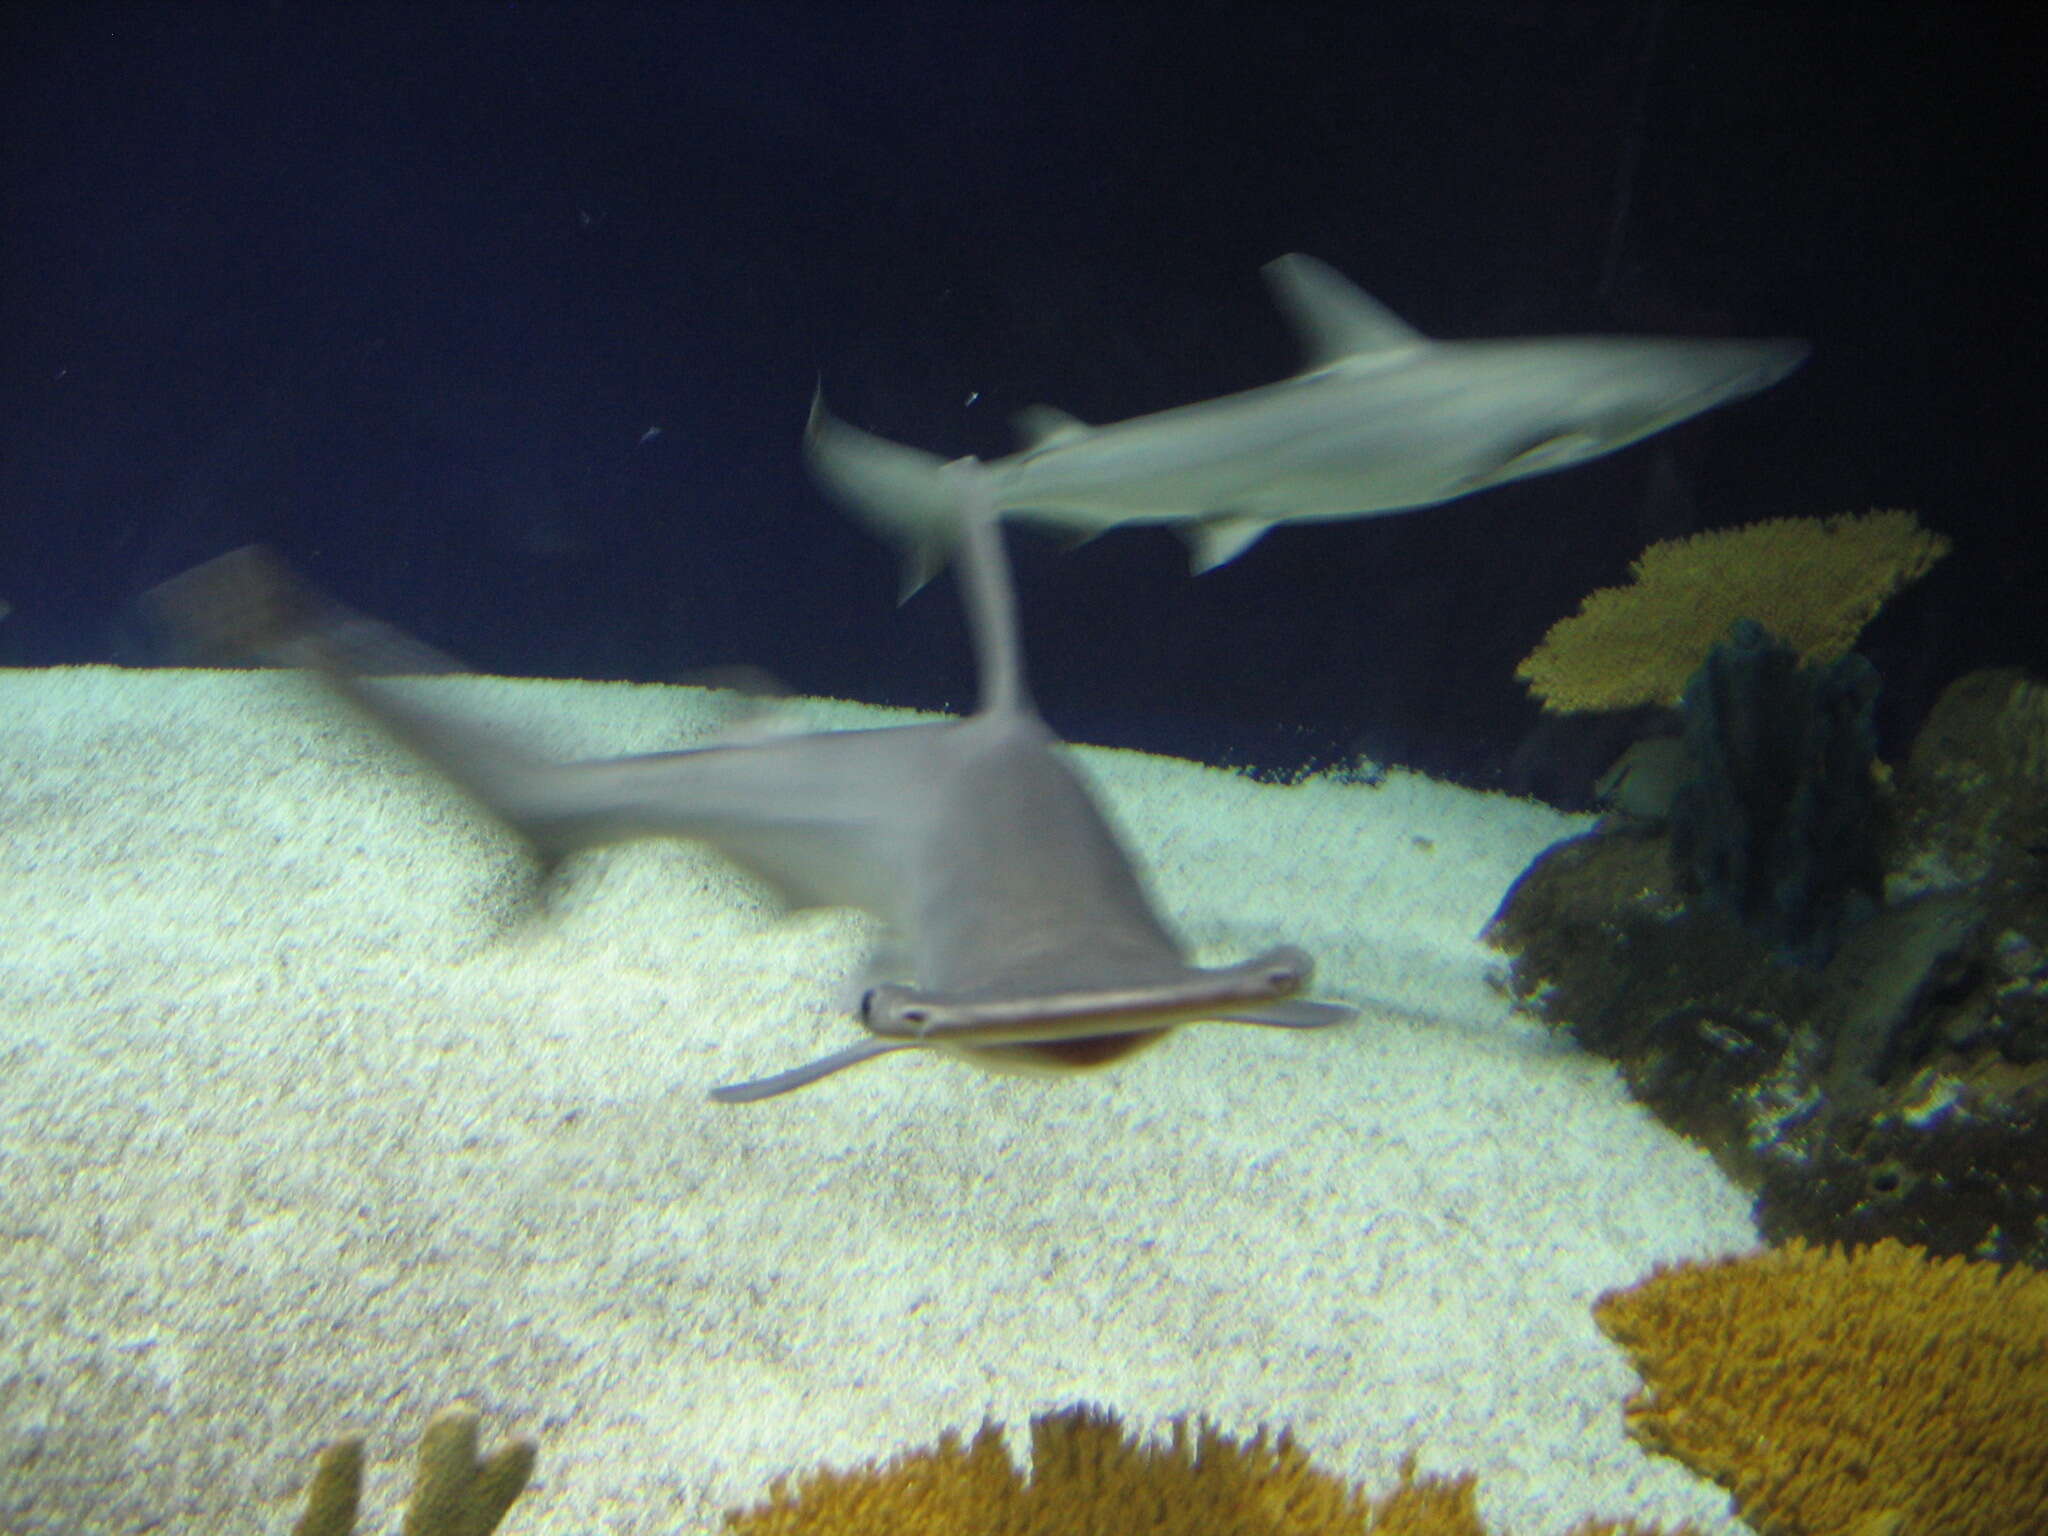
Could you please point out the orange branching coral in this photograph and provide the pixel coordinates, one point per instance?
(455, 1491)
(1812, 582)
(1864, 1393)
(1089, 1478)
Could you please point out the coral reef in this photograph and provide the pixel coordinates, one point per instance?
(1812, 582)
(1848, 1394)
(1902, 1089)
(1088, 1475)
(454, 1491)
(335, 1493)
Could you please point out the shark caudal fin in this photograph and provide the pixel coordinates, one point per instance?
(902, 493)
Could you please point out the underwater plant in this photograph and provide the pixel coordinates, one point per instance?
(1873, 1392)
(1813, 582)
(1776, 818)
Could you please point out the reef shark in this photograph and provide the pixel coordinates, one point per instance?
(1381, 419)
(1026, 930)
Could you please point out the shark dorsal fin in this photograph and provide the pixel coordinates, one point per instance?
(1334, 319)
(1046, 426)
(987, 591)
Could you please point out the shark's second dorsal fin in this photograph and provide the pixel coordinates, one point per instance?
(988, 592)
(1046, 426)
(1335, 319)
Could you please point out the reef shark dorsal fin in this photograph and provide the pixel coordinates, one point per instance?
(1334, 319)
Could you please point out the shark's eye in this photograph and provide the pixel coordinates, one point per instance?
(1286, 972)
(880, 1011)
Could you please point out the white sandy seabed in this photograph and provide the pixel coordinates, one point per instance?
(313, 1121)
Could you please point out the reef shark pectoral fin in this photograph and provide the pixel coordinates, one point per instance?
(1219, 538)
(802, 1077)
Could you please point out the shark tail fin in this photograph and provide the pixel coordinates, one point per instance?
(902, 493)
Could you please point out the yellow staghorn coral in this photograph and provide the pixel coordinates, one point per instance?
(1873, 1393)
(1090, 1478)
(455, 1492)
(1812, 582)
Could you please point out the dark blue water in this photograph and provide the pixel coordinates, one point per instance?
(502, 321)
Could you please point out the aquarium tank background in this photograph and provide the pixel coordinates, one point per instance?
(508, 316)
(1672, 816)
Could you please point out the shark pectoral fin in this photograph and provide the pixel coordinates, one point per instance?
(1220, 538)
(803, 1076)
(249, 605)
(1560, 450)
(1291, 1015)
(1538, 456)
(1333, 318)
(1046, 426)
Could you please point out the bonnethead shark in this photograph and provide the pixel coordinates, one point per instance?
(1028, 935)
(1381, 419)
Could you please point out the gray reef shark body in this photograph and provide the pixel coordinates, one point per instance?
(1029, 934)
(1382, 419)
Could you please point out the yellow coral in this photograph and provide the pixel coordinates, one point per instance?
(335, 1492)
(1812, 582)
(1089, 1477)
(1848, 1394)
(2022, 737)
(455, 1492)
